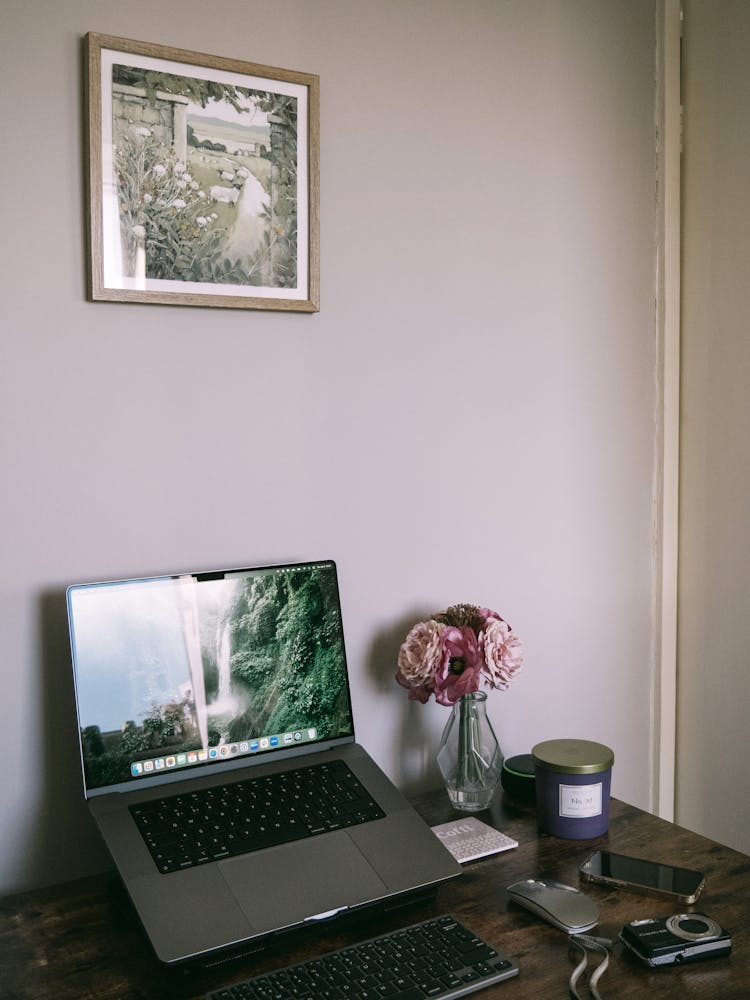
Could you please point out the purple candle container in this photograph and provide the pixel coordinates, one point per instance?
(572, 788)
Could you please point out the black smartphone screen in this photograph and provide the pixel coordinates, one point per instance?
(649, 874)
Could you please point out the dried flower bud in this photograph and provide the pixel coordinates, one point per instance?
(462, 616)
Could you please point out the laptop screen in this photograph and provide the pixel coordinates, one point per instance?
(182, 673)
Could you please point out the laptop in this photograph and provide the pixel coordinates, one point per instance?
(220, 761)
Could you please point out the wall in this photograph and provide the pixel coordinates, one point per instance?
(470, 417)
(714, 634)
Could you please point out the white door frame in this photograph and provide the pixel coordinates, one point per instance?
(667, 451)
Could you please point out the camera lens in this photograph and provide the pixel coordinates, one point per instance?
(692, 926)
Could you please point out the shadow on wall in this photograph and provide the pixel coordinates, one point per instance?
(416, 741)
(63, 841)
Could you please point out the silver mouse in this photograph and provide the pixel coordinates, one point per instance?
(562, 905)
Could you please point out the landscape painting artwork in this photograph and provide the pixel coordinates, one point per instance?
(203, 176)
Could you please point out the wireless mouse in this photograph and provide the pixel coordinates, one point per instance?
(562, 905)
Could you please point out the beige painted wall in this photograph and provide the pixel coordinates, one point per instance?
(470, 417)
(713, 792)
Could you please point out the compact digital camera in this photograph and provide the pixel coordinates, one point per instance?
(685, 937)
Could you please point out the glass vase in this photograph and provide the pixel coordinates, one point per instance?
(469, 757)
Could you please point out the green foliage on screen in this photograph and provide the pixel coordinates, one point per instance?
(288, 655)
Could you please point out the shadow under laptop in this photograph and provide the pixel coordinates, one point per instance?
(63, 842)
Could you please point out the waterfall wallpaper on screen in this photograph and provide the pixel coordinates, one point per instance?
(189, 670)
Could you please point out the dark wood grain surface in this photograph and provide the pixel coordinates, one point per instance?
(82, 940)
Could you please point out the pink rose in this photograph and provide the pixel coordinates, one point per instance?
(420, 656)
(462, 663)
(503, 654)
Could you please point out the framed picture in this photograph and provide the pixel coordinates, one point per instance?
(203, 179)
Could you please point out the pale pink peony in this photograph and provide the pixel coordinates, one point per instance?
(420, 656)
(502, 653)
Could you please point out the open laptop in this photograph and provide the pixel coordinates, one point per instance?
(220, 762)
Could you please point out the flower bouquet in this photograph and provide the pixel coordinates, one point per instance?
(449, 656)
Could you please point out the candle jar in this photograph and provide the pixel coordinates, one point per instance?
(572, 780)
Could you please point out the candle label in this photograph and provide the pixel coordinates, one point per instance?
(581, 801)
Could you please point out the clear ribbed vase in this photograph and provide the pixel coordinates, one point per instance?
(469, 757)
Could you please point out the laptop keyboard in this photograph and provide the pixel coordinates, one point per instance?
(440, 959)
(196, 827)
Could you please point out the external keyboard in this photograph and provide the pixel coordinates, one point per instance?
(194, 828)
(440, 959)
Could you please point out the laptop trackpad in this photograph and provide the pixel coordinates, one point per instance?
(285, 885)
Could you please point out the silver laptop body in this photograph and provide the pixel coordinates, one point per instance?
(192, 681)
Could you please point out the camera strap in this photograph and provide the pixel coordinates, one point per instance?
(584, 943)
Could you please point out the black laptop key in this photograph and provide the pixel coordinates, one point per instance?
(243, 816)
(384, 968)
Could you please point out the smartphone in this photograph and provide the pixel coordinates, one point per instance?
(639, 875)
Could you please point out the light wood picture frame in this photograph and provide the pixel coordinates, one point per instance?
(203, 179)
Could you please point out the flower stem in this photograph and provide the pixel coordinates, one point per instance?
(471, 765)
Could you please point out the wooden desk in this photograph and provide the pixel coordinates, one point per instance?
(81, 941)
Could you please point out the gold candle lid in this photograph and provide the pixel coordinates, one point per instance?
(573, 756)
